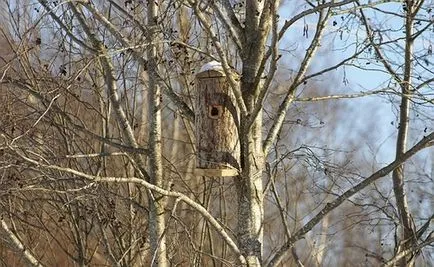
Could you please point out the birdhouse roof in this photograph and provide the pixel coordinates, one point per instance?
(212, 65)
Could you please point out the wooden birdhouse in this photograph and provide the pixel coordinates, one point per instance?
(217, 120)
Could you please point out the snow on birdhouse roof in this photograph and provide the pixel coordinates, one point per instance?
(212, 65)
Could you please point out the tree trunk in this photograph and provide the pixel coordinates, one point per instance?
(250, 195)
(407, 239)
(249, 184)
(156, 201)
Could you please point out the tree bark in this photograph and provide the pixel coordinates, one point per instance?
(407, 226)
(250, 195)
(249, 185)
(156, 201)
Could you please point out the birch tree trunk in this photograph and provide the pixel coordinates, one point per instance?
(250, 197)
(408, 237)
(156, 201)
(249, 185)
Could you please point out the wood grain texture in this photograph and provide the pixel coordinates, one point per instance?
(216, 122)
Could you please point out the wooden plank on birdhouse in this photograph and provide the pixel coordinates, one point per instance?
(216, 172)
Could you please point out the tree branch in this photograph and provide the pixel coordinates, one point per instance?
(283, 108)
(138, 55)
(427, 141)
(196, 206)
(227, 69)
(16, 242)
(113, 91)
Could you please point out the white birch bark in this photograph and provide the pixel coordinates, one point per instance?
(16, 242)
(408, 238)
(156, 201)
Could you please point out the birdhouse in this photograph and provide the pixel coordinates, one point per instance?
(216, 120)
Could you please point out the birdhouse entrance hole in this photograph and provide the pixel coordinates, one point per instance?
(215, 111)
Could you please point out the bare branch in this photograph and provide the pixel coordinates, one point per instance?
(284, 105)
(231, 26)
(223, 58)
(16, 242)
(71, 35)
(425, 142)
(412, 250)
(138, 55)
(196, 206)
(113, 90)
